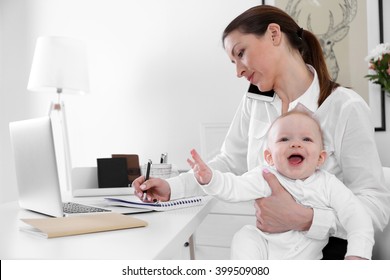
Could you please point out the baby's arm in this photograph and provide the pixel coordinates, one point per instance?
(202, 172)
(227, 186)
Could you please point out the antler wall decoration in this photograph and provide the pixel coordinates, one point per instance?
(334, 33)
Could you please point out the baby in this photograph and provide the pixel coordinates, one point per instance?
(295, 152)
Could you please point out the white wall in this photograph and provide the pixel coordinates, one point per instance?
(14, 102)
(157, 71)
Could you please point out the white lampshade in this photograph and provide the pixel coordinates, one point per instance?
(59, 63)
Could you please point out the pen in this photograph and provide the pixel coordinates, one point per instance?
(147, 177)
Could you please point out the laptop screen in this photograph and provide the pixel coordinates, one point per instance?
(36, 166)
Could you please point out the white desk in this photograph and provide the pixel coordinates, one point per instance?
(163, 238)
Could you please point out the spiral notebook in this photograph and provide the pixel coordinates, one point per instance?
(157, 206)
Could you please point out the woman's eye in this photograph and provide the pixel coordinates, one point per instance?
(240, 54)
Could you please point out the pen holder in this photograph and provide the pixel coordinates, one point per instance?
(160, 170)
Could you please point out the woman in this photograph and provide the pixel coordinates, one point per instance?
(270, 50)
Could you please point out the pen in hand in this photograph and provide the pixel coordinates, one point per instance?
(147, 177)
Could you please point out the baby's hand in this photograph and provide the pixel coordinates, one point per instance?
(202, 172)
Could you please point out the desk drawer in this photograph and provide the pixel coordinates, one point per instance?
(239, 208)
(218, 229)
(212, 253)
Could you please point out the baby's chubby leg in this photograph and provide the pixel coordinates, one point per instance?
(249, 244)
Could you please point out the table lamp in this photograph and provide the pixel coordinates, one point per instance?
(60, 66)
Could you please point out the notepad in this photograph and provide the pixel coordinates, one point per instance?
(157, 206)
(81, 224)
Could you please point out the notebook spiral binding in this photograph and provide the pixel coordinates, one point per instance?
(157, 206)
(181, 203)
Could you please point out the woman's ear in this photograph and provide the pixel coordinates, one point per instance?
(268, 157)
(276, 34)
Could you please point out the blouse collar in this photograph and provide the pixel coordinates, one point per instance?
(309, 98)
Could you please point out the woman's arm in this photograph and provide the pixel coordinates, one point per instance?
(234, 151)
(352, 216)
(362, 173)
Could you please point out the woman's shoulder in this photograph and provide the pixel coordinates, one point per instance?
(343, 98)
(345, 94)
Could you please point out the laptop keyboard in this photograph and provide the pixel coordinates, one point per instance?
(72, 207)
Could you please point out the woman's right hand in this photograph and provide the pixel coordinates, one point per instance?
(156, 189)
(279, 212)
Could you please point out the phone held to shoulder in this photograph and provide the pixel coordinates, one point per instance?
(254, 93)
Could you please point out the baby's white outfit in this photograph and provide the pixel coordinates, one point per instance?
(321, 190)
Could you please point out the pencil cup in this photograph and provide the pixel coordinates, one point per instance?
(161, 170)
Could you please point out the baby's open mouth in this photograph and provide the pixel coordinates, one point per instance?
(295, 159)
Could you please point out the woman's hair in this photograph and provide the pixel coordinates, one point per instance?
(256, 20)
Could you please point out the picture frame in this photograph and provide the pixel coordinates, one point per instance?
(362, 30)
(376, 93)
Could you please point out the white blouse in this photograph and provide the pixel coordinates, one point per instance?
(345, 119)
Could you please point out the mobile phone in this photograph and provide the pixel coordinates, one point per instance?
(255, 93)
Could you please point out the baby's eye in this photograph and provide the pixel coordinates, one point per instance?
(283, 139)
(307, 139)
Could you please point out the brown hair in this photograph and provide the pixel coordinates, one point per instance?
(256, 20)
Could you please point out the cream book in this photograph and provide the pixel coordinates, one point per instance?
(80, 224)
(156, 206)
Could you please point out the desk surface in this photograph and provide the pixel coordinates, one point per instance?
(164, 236)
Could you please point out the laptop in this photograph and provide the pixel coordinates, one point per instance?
(37, 175)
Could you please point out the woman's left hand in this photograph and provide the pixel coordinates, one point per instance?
(280, 212)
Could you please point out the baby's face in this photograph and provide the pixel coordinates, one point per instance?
(295, 146)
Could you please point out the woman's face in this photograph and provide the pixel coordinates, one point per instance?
(254, 58)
